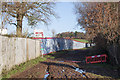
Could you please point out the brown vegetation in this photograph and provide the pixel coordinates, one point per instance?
(101, 22)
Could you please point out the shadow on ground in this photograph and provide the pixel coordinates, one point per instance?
(102, 69)
(65, 70)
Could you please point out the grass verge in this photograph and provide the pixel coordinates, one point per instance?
(28, 64)
(49, 57)
(81, 40)
(22, 67)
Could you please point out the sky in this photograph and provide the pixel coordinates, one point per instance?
(66, 22)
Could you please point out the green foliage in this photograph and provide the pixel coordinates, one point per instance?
(71, 35)
(76, 34)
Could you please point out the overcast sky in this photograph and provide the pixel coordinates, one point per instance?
(66, 22)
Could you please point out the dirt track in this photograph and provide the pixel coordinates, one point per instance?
(65, 69)
(56, 70)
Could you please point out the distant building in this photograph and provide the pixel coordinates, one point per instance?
(3, 31)
(38, 33)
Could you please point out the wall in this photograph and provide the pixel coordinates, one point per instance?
(55, 44)
(49, 45)
(14, 51)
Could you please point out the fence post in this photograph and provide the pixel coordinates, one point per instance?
(1, 62)
(86, 45)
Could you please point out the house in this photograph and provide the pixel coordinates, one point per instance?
(3, 31)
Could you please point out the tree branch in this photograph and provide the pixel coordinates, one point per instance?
(13, 24)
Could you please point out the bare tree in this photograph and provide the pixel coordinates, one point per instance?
(34, 11)
(53, 32)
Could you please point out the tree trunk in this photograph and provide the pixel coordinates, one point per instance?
(114, 54)
(19, 25)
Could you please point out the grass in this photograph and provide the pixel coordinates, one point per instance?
(22, 67)
(82, 40)
(57, 53)
(101, 65)
(49, 56)
(99, 76)
(28, 64)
